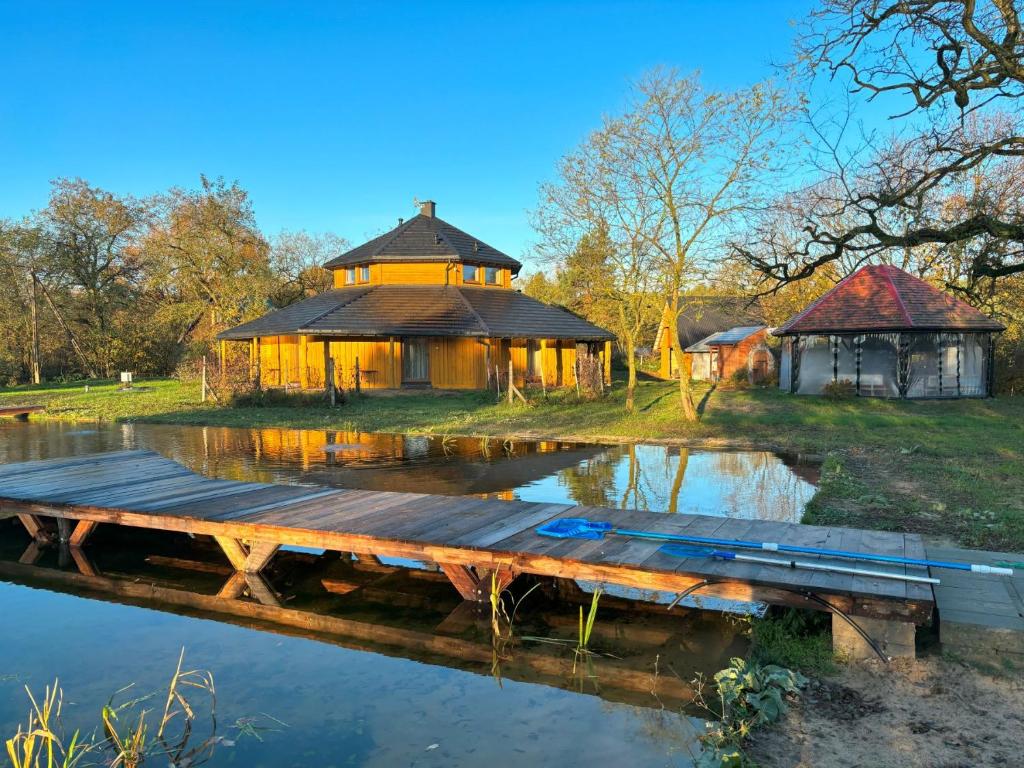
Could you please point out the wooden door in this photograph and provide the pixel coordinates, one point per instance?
(415, 361)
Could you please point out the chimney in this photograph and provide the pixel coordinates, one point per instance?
(427, 208)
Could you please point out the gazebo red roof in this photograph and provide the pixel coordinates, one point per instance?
(884, 298)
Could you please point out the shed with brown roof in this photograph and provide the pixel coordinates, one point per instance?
(889, 334)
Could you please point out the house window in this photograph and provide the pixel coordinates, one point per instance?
(364, 274)
(491, 275)
(470, 273)
(350, 276)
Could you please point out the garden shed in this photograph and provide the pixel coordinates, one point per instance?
(889, 334)
(722, 355)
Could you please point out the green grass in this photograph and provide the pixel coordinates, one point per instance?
(954, 469)
(795, 639)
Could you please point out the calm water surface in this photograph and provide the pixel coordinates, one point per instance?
(379, 664)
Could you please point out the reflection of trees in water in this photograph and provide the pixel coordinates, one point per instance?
(633, 484)
(677, 479)
(748, 484)
(761, 486)
(592, 482)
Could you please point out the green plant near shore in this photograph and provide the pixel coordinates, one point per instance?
(747, 696)
(127, 737)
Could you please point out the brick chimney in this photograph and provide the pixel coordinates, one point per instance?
(427, 208)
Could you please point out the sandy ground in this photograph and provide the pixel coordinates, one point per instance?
(931, 713)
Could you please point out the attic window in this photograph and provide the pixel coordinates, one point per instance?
(491, 275)
(470, 273)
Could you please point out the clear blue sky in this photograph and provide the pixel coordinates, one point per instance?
(335, 115)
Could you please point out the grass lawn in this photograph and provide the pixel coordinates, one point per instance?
(953, 469)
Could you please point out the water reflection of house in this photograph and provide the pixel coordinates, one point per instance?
(423, 305)
(889, 334)
(420, 463)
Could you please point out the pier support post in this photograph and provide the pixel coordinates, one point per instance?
(247, 559)
(896, 638)
(35, 528)
(81, 533)
(258, 587)
(475, 583)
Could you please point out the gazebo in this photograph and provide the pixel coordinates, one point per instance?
(889, 334)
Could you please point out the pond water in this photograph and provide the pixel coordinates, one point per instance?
(374, 663)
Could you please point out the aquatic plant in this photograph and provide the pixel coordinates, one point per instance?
(582, 650)
(127, 738)
(42, 742)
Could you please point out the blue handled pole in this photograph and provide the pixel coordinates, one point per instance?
(582, 528)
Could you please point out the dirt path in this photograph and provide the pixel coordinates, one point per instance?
(929, 713)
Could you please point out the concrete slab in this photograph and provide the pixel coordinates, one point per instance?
(980, 616)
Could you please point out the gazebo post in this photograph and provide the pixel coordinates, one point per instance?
(860, 343)
(794, 363)
(960, 345)
(990, 365)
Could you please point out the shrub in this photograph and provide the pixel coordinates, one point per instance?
(740, 379)
(844, 389)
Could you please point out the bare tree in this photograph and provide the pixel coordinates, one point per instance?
(955, 70)
(297, 260)
(696, 160)
(594, 220)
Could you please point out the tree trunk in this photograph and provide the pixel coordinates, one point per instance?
(631, 365)
(34, 315)
(83, 359)
(685, 390)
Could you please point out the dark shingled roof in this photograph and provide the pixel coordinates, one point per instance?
(422, 310)
(701, 316)
(286, 321)
(884, 298)
(425, 238)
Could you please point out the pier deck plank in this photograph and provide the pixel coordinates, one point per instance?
(144, 489)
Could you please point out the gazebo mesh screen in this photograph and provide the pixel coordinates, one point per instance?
(914, 365)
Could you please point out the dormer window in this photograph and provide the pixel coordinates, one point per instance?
(492, 275)
(470, 273)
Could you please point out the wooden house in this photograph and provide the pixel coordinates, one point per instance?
(699, 318)
(424, 305)
(889, 334)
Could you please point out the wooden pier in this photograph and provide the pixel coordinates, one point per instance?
(469, 538)
(21, 412)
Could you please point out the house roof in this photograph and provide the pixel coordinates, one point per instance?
(727, 338)
(881, 297)
(422, 310)
(701, 316)
(425, 238)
